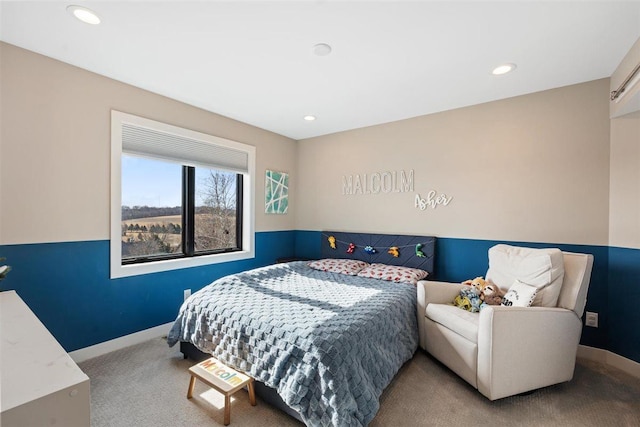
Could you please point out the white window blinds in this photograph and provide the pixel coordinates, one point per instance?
(210, 152)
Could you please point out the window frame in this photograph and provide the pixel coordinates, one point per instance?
(187, 246)
(247, 227)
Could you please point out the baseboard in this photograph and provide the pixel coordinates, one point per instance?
(584, 352)
(606, 357)
(120, 343)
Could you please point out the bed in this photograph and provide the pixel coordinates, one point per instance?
(327, 343)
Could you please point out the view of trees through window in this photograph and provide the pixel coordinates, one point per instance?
(215, 219)
(152, 211)
(146, 231)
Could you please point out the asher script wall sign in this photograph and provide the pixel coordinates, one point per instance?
(432, 200)
(378, 182)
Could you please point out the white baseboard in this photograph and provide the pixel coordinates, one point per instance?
(120, 343)
(584, 352)
(606, 357)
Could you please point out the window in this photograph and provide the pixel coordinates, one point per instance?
(161, 218)
(179, 198)
(151, 214)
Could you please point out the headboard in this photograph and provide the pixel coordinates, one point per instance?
(382, 243)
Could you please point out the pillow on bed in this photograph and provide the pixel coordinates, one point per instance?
(343, 266)
(393, 273)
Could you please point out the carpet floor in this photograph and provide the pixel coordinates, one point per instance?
(146, 385)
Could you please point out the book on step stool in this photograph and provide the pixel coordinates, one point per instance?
(219, 376)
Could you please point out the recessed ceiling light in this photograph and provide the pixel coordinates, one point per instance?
(503, 69)
(322, 49)
(309, 118)
(84, 14)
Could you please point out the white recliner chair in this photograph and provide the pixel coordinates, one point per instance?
(503, 351)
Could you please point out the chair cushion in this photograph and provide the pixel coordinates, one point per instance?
(456, 319)
(541, 268)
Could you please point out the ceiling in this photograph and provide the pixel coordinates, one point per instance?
(253, 61)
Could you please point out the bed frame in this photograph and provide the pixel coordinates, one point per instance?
(408, 257)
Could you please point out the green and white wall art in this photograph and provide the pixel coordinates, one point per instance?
(276, 192)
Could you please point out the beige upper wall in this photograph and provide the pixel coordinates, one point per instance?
(624, 221)
(531, 168)
(55, 145)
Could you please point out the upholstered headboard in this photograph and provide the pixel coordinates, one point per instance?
(382, 243)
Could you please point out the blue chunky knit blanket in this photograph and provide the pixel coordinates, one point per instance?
(327, 342)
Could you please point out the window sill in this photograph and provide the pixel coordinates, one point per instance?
(118, 270)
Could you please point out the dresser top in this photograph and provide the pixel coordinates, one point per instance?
(32, 363)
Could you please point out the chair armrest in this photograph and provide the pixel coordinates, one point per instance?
(433, 292)
(438, 292)
(524, 348)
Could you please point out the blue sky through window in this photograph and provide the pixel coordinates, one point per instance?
(149, 182)
(155, 183)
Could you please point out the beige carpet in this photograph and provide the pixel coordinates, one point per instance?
(146, 385)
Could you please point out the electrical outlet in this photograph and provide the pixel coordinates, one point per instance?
(591, 319)
(187, 294)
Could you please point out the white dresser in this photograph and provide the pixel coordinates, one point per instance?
(40, 385)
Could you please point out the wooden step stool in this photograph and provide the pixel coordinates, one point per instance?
(223, 379)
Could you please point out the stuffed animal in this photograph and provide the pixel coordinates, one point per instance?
(491, 295)
(394, 251)
(478, 283)
(4, 270)
(468, 299)
(332, 242)
(462, 302)
(477, 295)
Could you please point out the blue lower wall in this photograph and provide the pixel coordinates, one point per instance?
(612, 290)
(623, 294)
(67, 285)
